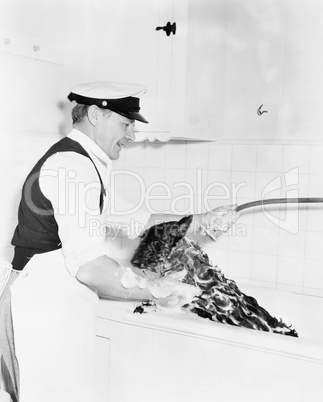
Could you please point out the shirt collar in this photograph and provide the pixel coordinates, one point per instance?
(89, 145)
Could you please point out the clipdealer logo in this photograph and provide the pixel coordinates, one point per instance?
(75, 197)
(287, 183)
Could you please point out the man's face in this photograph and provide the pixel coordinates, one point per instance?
(114, 132)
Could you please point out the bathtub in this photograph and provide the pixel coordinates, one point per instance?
(181, 357)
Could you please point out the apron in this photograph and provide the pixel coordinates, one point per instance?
(5, 271)
(54, 319)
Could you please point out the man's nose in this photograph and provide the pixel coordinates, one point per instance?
(131, 136)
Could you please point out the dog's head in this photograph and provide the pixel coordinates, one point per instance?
(157, 243)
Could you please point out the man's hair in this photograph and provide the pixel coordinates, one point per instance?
(80, 111)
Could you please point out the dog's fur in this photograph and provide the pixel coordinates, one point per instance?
(164, 248)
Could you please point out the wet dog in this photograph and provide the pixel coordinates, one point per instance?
(165, 249)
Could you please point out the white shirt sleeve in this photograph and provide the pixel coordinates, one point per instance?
(70, 181)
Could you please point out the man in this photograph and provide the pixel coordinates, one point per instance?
(63, 194)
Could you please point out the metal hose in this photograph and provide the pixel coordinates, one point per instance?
(278, 201)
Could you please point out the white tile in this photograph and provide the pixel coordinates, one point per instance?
(218, 257)
(239, 265)
(267, 216)
(221, 242)
(293, 217)
(219, 184)
(291, 245)
(175, 155)
(133, 201)
(241, 241)
(181, 205)
(263, 283)
(315, 186)
(265, 240)
(268, 185)
(295, 185)
(290, 271)
(313, 275)
(220, 157)
(196, 180)
(279, 216)
(314, 249)
(296, 156)
(197, 155)
(244, 158)
(315, 218)
(290, 288)
(117, 179)
(154, 155)
(175, 179)
(154, 180)
(167, 206)
(156, 205)
(134, 155)
(269, 158)
(316, 162)
(243, 185)
(134, 179)
(264, 267)
(195, 201)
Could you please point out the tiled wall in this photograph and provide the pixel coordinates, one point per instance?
(279, 247)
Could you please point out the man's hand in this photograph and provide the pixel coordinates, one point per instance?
(168, 291)
(218, 221)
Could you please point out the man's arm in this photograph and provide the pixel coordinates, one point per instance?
(212, 223)
(103, 276)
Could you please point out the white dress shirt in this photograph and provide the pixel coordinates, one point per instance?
(70, 181)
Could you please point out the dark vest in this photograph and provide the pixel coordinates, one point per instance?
(37, 230)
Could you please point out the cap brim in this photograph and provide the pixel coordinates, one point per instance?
(133, 116)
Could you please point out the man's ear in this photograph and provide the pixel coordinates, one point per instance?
(93, 115)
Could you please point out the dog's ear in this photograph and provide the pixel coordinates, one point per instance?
(180, 228)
